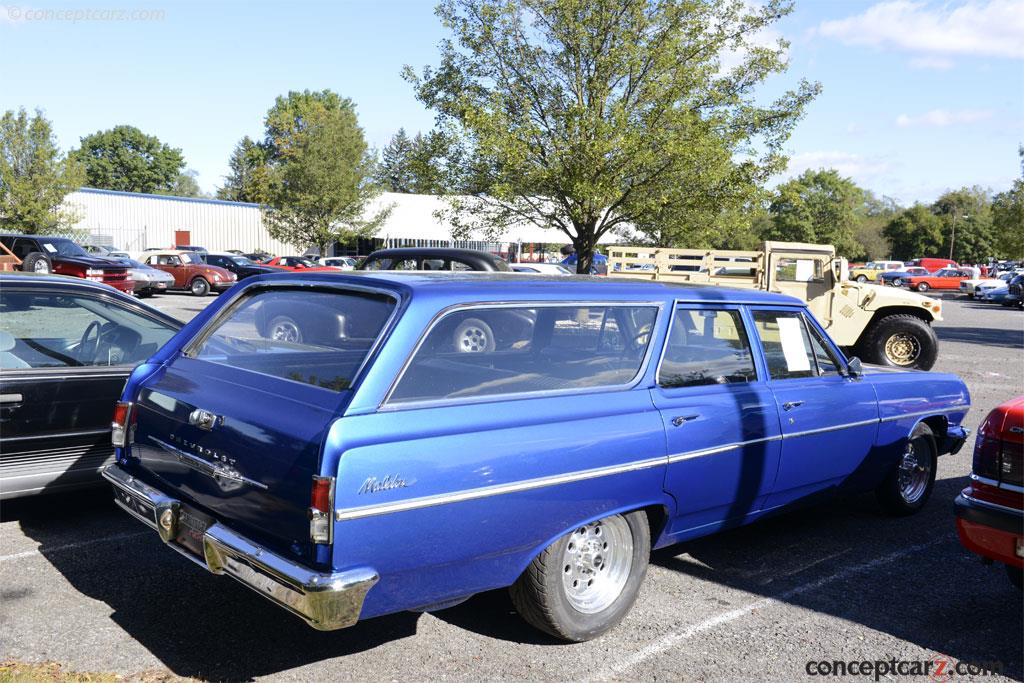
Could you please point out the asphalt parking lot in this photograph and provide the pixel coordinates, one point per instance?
(84, 585)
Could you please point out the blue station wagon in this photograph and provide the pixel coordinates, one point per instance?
(352, 445)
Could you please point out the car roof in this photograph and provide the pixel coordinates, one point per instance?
(472, 286)
(435, 253)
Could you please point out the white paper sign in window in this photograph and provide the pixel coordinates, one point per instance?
(794, 345)
(804, 270)
(50, 248)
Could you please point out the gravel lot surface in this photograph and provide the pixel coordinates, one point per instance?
(83, 584)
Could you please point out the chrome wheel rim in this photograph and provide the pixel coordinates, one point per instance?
(914, 475)
(596, 564)
(198, 287)
(287, 331)
(897, 282)
(41, 267)
(472, 340)
(902, 349)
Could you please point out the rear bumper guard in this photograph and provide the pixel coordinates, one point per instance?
(326, 601)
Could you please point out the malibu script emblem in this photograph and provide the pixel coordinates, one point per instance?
(388, 483)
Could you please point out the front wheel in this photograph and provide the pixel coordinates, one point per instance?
(200, 287)
(902, 341)
(922, 287)
(897, 282)
(862, 278)
(584, 583)
(908, 486)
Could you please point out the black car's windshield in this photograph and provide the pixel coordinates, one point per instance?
(242, 261)
(62, 247)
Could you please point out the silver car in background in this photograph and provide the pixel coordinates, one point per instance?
(148, 280)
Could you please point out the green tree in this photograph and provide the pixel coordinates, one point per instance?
(124, 158)
(185, 185)
(914, 232)
(34, 176)
(591, 115)
(394, 172)
(322, 171)
(820, 207)
(413, 165)
(968, 232)
(869, 230)
(251, 177)
(1008, 221)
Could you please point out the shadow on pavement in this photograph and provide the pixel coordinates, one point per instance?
(1011, 339)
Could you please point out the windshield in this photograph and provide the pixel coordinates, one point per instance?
(303, 262)
(190, 257)
(242, 261)
(62, 247)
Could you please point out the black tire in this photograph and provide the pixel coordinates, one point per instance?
(145, 294)
(1016, 576)
(199, 287)
(541, 598)
(862, 278)
(37, 262)
(910, 341)
(922, 287)
(283, 328)
(473, 336)
(897, 282)
(908, 486)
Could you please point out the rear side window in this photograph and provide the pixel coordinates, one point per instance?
(316, 337)
(706, 347)
(498, 351)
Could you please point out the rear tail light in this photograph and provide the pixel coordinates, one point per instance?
(321, 508)
(1011, 470)
(121, 425)
(986, 457)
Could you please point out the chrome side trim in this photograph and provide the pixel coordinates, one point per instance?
(919, 413)
(689, 455)
(496, 490)
(832, 428)
(1001, 485)
(994, 506)
(63, 435)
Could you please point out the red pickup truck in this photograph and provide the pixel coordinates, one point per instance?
(40, 254)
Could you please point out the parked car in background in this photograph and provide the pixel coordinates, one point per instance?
(298, 263)
(148, 280)
(1014, 294)
(933, 264)
(259, 256)
(990, 511)
(190, 247)
(66, 348)
(1002, 281)
(40, 254)
(241, 266)
(283, 463)
(872, 269)
(95, 250)
(190, 273)
(946, 278)
(119, 255)
(543, 268)
(972, 286)
(896, 278)
(429, 258)
(997, 295)
(342, 262)
(598, 264)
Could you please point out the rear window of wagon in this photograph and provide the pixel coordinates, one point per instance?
(316, 337)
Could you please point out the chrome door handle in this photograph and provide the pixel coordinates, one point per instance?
(680, 420)
(789, 405)
(10, 398)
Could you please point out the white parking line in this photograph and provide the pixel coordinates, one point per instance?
(670, 640)
(71, 546)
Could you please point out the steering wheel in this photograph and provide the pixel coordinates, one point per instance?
(87, 353)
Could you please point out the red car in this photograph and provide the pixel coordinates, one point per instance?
(190, 272)
(299, 263)
(990, 512)
(947, 278)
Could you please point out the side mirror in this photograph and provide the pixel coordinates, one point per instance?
(854, 368)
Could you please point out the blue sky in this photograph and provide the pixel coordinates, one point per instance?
(918, 96)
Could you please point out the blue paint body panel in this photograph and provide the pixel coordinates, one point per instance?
(449, 499)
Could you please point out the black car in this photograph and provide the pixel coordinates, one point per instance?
(66, 348)
(426, 258)
(239, 265)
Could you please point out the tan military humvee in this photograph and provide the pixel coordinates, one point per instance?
(884, 325)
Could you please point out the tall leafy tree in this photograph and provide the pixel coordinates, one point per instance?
(124, 158)
(968, 232)
(251, 176)
(395, 170)
(35, 176)
(1008, 220)
(414, 165)
(590, 115)
(869, 237)
(914, 232)
(818, 206)
(185, 185)
(323, 172)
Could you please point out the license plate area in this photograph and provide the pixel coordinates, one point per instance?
(192, 524)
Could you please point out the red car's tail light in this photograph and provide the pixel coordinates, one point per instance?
(120, 426)
(321, 509)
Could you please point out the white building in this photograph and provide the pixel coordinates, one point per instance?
(132, 222)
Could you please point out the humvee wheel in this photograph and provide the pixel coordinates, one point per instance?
(900, 340)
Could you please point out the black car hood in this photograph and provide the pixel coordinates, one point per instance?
(90, 262)
(258, 270)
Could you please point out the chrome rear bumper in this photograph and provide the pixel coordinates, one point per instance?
(326, 601)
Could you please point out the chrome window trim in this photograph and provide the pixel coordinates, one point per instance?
(343, 514)
(717, 306)
(206, 330)
(385, 406)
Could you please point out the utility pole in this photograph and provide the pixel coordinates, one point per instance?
(952, 234)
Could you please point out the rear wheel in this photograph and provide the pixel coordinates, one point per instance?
(283, 328)
(908, 486)
(862, 278)
(473, 336)
(901, 340)
(200, 287)
(922, 287)
(37, 262)
(584, 583)
(897, 282)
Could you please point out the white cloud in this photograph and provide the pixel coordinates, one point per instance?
(941, 118)
(857, 166)
(992, 28)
